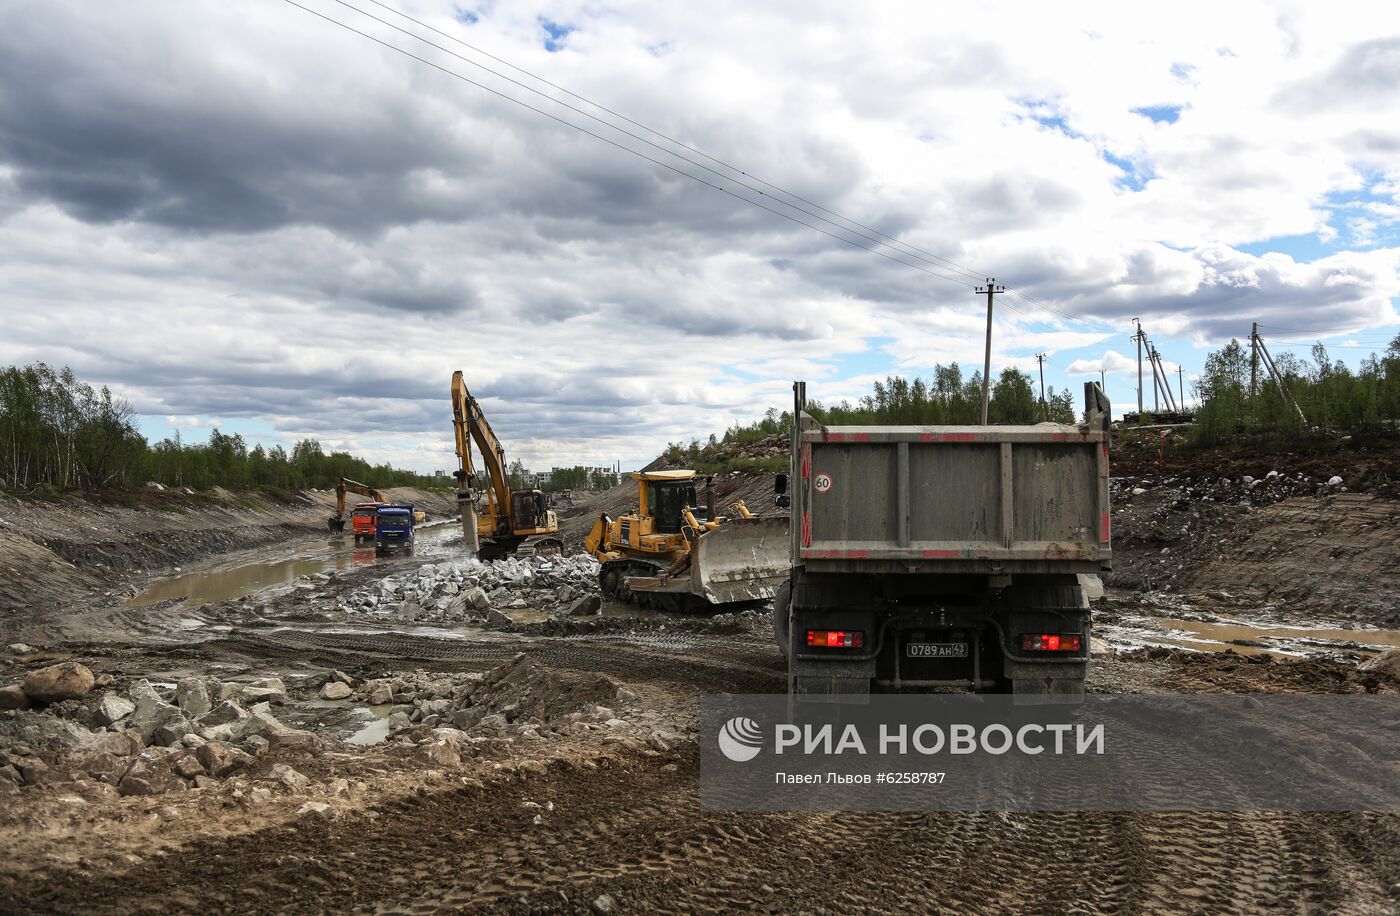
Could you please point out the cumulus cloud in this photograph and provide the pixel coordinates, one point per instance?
(246, 212)
(1111, 361)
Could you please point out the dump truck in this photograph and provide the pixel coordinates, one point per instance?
(362, 519)
(934, 557)
(675, 554)
(393, 529)
(336, 523)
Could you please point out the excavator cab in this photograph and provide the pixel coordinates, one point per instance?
(529, 509)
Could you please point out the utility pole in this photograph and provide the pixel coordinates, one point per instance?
(1277, 377)
(991, 289)
(1044, 409)
(1156, 383)
(1181, 387)
(1253, 356)
(1138, 338)
(1159, 377)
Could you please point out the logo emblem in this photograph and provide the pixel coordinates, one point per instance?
(740, 739)
(822, 483)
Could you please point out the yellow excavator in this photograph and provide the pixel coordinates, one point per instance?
(510, 520)
(675, 555)
(336, 523)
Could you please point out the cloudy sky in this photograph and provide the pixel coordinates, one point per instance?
(244, 214)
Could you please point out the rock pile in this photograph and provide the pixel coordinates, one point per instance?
(518, 699)
(1179, 492)
(474, 591)
(151, 740)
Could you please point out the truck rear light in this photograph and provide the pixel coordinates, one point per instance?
(1051, 642)
(835, 639)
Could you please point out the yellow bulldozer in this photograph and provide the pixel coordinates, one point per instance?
(674, 554)
(508, 520)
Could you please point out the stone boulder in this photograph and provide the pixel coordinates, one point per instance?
(192, 696)
(150, 774)
(64, 681)
(171, 732)
(586, 606)
(219, 759)
(223, 714)
(294, 781)
(336, 690)
(13, 697)
(187, 766)
(151, 713)
(119, 744)
(1388, 662)
(112, 708)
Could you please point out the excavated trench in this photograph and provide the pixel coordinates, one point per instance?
(600, 816)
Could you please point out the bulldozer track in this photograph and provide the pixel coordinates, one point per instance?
(634, 829)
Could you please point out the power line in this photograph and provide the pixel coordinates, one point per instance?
(891, 240)
(700, 165)
(1324, 332)
(878, 238)
(960, 281)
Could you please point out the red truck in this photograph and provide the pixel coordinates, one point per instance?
(362, 519)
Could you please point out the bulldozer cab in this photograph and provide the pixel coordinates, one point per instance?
(666, 499)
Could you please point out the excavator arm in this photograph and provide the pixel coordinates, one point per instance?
(470, 426)
(346, 485)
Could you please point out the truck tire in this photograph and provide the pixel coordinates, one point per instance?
(782, 631)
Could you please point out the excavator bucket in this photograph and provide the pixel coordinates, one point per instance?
(741, 560)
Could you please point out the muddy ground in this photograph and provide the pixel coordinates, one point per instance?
(520, 758)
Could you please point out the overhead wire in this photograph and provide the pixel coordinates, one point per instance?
(952, 278)
(891, 240)
(941, 267)
(877, 238)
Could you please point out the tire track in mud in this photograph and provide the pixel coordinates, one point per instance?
(633, 829)
(706, 663)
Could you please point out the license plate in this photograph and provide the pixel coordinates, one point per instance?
(937, 650)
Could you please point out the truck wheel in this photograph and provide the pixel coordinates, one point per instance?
(781, 618)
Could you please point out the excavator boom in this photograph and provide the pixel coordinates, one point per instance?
(511, 518)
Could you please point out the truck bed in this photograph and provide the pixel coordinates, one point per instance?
(957, 499)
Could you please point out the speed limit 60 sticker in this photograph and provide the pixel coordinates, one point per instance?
(822, 482)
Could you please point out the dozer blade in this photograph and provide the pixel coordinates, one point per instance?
(741, 560)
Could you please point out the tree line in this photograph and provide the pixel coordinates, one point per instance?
(1330, 395)
(60, 432)
(946, 398)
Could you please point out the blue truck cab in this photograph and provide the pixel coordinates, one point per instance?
(393, 529)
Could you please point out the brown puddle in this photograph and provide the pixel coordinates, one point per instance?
(1248, 639)
(202, 586)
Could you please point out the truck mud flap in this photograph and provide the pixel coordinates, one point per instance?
(742, 560)
(1048, 682)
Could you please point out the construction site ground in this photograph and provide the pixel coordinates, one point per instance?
(578, 790)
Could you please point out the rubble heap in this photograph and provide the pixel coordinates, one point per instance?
(473, 590)
(71, 727)
(1243, 491)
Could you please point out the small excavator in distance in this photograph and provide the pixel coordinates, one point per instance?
(675, 555)
(336, 523)
(511, 519)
